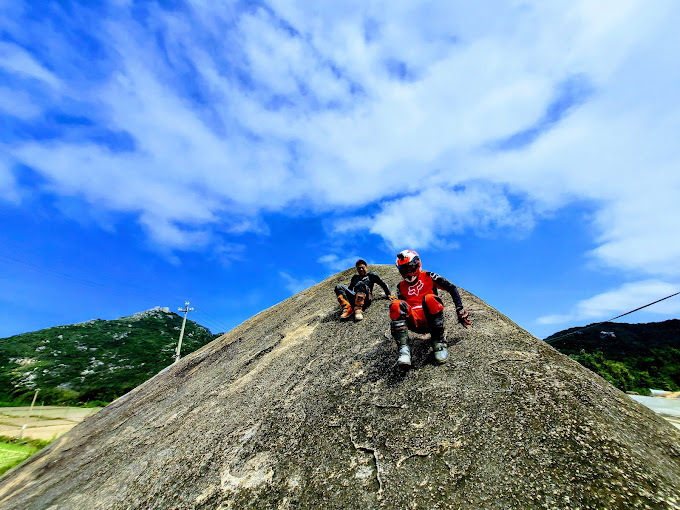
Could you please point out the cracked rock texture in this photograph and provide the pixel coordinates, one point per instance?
(294, 409)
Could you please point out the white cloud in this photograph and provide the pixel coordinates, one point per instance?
(621, 300)
(8, 190)
(336, 263)
(295, 285)
(301, 107)
(170, 235)
(433, 215)
(15, 59)
(17, 103)
(555, 319)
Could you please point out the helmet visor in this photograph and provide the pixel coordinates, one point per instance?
(409, 268)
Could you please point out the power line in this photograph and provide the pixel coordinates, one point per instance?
(44, 270)
(550, 341)
(213, 321)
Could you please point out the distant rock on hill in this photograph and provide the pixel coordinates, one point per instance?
(94, 360)
(294, 409)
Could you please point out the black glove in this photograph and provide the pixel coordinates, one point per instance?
(464, 317)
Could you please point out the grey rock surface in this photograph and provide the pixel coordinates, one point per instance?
(295, 409)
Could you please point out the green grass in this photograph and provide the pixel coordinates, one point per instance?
(14, 451)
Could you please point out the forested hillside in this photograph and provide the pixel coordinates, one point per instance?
(633, 357)
(93, 362)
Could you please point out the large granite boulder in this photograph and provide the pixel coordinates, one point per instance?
(295, 409)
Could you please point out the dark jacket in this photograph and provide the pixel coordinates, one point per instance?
(370, 280)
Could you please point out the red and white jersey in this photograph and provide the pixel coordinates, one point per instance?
(427, 283)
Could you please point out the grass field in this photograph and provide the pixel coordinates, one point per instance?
(24, 431)
(13, 452)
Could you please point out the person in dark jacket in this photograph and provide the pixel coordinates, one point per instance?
(357, 296)
(419, 308)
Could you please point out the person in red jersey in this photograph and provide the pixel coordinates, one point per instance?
(419, 308)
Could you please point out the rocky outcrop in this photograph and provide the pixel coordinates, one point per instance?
(293, 409)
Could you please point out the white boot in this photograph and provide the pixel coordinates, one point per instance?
(404, 355)
(440, 353)
(358, 306)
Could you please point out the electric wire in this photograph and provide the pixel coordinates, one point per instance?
(213, 320)
(578, 330)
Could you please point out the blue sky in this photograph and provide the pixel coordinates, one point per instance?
(234, 153)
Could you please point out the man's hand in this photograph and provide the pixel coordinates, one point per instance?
(464, 317)
(392, 298)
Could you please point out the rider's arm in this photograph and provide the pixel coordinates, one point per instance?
(447, 286)
(376, 279)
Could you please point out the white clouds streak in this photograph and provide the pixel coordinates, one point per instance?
(434, 215)
(17, 60)
(336, 263)
(621, 300)
(8, 191)
(295, 285)
(331, 106)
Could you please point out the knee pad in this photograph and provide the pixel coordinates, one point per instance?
(398, 310)
(434, 311)
(339, 289)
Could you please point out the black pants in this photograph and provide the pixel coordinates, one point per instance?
(350, 295)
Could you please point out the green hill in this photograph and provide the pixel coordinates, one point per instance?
(95, 361)
(633, 357)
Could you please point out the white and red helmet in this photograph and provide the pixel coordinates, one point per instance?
(408, 264)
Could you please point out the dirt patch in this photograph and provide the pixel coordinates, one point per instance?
(42, 423)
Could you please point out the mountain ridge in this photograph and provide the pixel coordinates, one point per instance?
(95, 360)
(633, 357)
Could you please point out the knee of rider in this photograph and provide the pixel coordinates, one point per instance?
(433, 304)
(339, 289)
(398, 310)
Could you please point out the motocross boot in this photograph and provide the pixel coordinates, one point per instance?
(400, 334)
(358, 306)
(438, 340)
(346, 307)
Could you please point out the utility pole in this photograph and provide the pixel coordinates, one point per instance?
(33, 403)
(181, 333)
(28, 418)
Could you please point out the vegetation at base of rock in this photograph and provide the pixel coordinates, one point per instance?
(14, 451)
(95, 362)
(632, 357)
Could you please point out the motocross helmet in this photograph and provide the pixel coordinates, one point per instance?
(408, 263)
